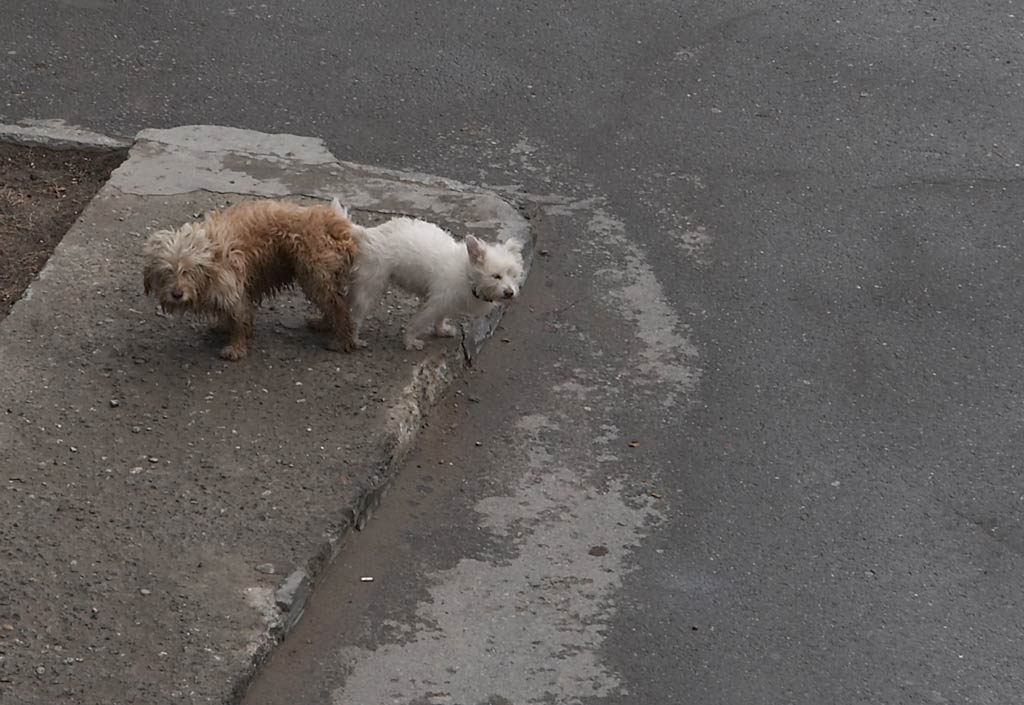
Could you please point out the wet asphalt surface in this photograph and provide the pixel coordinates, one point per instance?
(823, 200)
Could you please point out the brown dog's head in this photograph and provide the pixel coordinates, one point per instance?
(179, 267)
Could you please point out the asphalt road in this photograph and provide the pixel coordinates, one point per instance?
(755, 436)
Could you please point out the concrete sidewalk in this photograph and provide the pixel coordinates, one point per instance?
(163, 512)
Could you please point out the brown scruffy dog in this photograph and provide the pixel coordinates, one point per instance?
(222, 266)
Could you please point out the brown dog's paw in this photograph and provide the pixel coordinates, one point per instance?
(342, 345)
(233, 352)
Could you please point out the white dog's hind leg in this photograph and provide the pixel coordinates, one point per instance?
(363, 295)
(429, 316)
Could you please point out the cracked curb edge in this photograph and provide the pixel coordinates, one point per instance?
(431, 379)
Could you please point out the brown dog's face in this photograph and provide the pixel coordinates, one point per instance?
(178, 267)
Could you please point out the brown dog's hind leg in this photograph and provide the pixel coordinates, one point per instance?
(326, 290)
(343, 337)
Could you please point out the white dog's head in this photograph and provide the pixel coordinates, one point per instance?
(495, 270)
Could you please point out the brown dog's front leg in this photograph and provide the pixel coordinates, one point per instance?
(239, 325)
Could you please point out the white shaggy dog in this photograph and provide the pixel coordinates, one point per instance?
(451, 278)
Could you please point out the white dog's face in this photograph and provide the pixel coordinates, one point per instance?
(496, 270)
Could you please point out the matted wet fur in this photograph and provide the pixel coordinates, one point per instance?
(223, 266)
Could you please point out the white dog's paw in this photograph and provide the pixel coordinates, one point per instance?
(413, 344)
(445, 329)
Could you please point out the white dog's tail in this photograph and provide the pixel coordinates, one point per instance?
(338, 208)
(358, 231)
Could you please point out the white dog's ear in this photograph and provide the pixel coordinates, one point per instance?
(476, 250)
(514, 245)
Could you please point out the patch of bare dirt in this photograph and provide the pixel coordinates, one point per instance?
(42, 192)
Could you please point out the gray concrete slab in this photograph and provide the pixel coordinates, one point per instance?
(165, 511)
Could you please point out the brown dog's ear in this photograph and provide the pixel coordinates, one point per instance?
(149, 283)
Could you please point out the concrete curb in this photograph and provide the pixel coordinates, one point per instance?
(430, 381)
(167, 164)
(56, 134)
